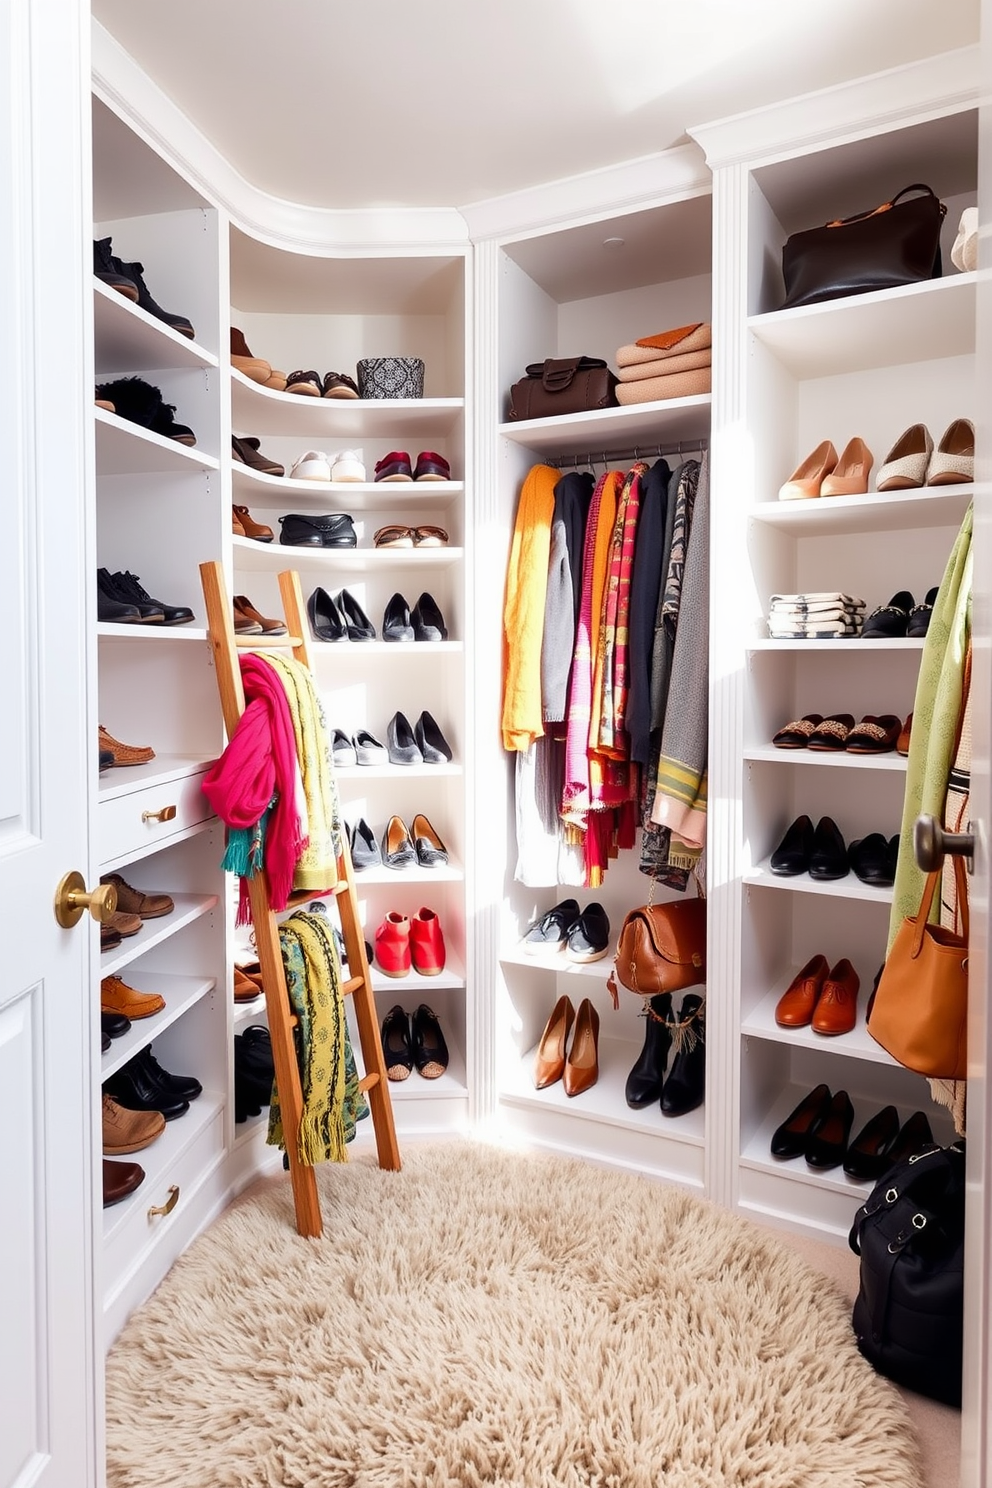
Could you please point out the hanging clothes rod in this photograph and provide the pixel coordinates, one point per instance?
(620, 457)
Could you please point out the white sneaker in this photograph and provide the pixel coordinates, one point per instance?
(312, 465)
(964, 254)
(347, 466)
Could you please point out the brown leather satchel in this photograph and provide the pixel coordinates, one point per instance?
(896, 243)
(920, 1008)
(562, 385)
(662, 948)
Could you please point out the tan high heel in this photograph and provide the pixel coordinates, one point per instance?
(850, 475)
(582, 1063)
(549, 1065)
(805, 480)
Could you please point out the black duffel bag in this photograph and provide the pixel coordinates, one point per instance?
(909, 1312)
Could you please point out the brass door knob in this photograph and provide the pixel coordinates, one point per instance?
(931, 842)
(72, 899)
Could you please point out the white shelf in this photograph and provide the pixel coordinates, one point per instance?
(124, 780)
(397, 877)
(180, 993)
(833, 761)
(670, 419)
(414, 986)
(878, 511)
(854, 644)
(123, 448)
(914, 323)
(272, 492)
(838, 888)
(756, 1153)
(129, 340)
(858, 1044)
(557, 961)
(189, 907)
(403, 650)
(346, 774)
(452, 1085)
(255, 557)
(258, 410)
(151, 634)
(605, 1101)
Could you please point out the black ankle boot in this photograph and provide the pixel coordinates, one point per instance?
(645, 1080)
(103, 268)
(141, 403)
(134, 273)
(686, 1082)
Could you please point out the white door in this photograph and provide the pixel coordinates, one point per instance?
(48, 1435)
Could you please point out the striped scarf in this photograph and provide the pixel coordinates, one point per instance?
(612, 740)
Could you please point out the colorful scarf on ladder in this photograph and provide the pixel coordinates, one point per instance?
(313, 982)
(317, 865)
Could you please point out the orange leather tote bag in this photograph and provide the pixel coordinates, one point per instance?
(920, 1011)
(662, 948)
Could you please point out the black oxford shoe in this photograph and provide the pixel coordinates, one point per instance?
(179, 1087)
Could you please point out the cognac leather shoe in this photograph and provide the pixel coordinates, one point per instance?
(147, 906)
(828, 859)
(127, 1131)
(826, 1145)
(257, 531)
(582, 1060)
(795, 1006)
(793, 853)
(790, 1138)
(549, 1062)
(868, 1155)
(119, 1180)
(837, 1008)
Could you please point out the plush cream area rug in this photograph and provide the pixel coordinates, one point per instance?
(487, 1317)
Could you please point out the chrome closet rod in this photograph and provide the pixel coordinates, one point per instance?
(618, 457)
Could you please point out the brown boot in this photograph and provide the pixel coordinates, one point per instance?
(117, 997)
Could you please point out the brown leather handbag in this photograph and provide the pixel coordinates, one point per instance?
(920, 1009)
(662, 948)
(562, 385)
(896, 243)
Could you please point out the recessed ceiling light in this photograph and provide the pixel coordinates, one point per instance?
(613, 242)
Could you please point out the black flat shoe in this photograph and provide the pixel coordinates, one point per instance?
(588, 938)
(359, 626)
(397, 1044)
(400, 742)
(430, 1052)
(919, 616)
(872, 862)
(114, 1025)
(828, 860)
(795, 850)
(913, 1136)
(891, 619)
(868, 1155)
(647, 1077)
(826, 1145)
(431, 742)
(396, 625)
(428, 622)
(326, 620)
(686, 1083)
(789, 1139)
(550, 932)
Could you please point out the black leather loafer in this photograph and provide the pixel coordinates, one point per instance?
(430, 1052)
(114, 1025)
(647, 1077)
(868, 1155)
(686, 1083)
(431, 742)
(790, 1138)
(400, 742)
(891, 619)
(397, 1044)
(828, 859)
(588, 938)
(550, 932)
(396, 624)
(428, 622)
(914, 1135)
(326, 620)
(872, 861)
(826, 1146)
(793, 853)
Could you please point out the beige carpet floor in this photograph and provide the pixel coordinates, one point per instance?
(487, 1317)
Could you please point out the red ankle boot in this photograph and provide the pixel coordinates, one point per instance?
(427, 943)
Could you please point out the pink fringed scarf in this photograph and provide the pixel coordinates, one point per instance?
(257, 768)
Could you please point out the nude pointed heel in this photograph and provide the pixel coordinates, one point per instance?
(805, 480)
(850, 475)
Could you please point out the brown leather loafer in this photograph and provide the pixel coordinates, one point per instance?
(244, 607)
(837, 1008)
(549, 1062)
(257, 531)
(582, 1061)
(795, 1006)
(124, 924)
(117, 997)
(119, 1180)
(150, 906)
(124, 754)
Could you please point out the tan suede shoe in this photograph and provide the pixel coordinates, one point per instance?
(128, 1131)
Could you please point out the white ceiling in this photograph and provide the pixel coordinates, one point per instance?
(448, 102)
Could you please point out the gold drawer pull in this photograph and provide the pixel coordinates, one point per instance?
(164, 813)
(169, 1204)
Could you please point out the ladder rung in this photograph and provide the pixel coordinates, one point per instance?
(352, 985)
(368, 1082)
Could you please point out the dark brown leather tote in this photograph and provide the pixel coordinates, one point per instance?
(563, 385)
(662, 948)
(896, 243)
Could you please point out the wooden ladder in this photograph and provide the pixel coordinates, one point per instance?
(226, 645)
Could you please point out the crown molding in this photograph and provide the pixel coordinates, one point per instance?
(649, 180)
(130, 92)
(883, 100)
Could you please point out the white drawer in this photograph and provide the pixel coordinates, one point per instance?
(148, 816)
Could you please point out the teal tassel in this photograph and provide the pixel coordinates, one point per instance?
(237, 858)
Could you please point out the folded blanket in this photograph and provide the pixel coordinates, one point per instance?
(652, 389)
(667, 366)
(813, 630)
(676, 342)
(823, 597)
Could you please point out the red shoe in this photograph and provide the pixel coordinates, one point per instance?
(394, 467)
(392, 945)
(427, 943)
(431, 467)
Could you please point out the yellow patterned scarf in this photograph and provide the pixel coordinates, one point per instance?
(317, 868)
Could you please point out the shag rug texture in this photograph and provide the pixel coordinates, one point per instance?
(489, 1317)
